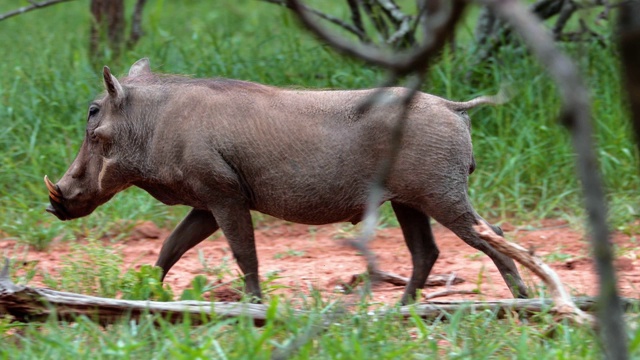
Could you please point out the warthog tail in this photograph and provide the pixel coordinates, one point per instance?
(503, 96)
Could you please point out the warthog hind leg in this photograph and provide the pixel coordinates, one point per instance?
(424, 252)
(459, 216)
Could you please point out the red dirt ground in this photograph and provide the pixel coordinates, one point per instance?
(316, 256)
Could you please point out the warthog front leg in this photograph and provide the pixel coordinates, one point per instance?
(197, 226)
(424, 252)
(234, 219)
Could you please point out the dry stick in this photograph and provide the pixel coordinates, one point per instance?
(577, 118)
(33, 6)
(436, 309)
(397, 280)
(376, 190)
(400, 63)
(449, 291)
(567, 10)
(400, 20)
(358, 31)
(564, 306)
(376, 19)
(393, 11)
(356, 17)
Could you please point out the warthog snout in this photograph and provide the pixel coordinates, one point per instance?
(55, 198)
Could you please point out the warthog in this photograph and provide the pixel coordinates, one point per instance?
(225, 147)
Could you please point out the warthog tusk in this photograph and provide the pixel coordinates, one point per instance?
(53, 190)
(54, 198)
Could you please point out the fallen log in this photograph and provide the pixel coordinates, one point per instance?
(27, 304)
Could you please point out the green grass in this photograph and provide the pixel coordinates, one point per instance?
(525, 173)
(460, 335)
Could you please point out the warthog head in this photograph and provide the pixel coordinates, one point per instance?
(98, 172)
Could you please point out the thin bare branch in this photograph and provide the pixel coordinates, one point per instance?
(400, 20)
(432, 281)
(377, 188)
(449, 292)
(33, 6)
(392, 10)
(567, 10)
(376, 19)
(354, 29)
(356, 17)
(576, 116)
(401, 63)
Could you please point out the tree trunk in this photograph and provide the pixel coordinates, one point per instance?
(108, 25)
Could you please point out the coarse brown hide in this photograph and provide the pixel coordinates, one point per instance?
(225, 147)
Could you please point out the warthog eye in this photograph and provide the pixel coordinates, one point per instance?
(93, 110)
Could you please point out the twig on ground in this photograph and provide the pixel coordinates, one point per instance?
(449, 292)
(397, 280)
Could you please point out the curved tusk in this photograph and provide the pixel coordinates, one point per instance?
(54, 198)
(53, 189)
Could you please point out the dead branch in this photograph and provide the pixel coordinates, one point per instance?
(400, 63)
(391, 24)
(576, 117)
(397, 280)
(449, 292)
(566, 11)
(404, 30)
(33, 6)
(355, 29)
(27, 304)
(356, 17)
(526, 307)
(564, 306)
(491, 33)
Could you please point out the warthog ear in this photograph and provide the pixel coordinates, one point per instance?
(140, 67)
(113, 86)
